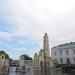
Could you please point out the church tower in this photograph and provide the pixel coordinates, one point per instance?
(43, 60)
(46, 45)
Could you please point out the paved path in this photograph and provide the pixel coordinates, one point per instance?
(51, 72)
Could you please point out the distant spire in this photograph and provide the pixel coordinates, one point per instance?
(46, 45)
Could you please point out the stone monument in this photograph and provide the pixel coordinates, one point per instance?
(43, 59)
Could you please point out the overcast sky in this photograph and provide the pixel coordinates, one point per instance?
(24, 22)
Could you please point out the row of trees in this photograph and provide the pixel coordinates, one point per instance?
(26, 57)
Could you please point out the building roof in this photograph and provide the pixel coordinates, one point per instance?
(66, 45)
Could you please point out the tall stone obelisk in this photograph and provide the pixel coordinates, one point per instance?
(46, 45)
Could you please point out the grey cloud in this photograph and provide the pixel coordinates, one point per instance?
(34, 18)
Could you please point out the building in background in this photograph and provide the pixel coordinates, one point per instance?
(21, 66)
(29, 64)
(13, 65)
(4, 62)
(25, 65)
(43, 59)
(64, 54)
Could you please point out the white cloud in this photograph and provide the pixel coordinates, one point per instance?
(25, 49)
(20, 49)
(34, 18)
(5, 35)
(30, 52)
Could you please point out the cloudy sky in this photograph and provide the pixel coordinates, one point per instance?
(24, 22)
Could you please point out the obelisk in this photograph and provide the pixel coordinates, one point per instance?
(46, 45)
